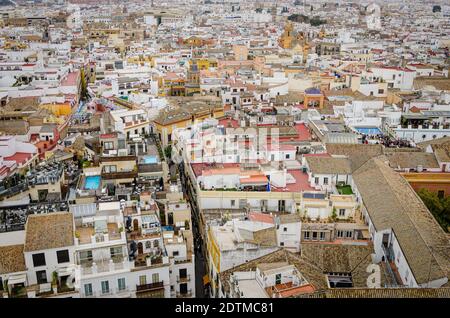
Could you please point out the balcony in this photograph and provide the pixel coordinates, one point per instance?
(103, 266)
(183, 279)
(18, 292)
(186, 294)
(148, 260)
(181, 260)
(149, 287)
(65, 289)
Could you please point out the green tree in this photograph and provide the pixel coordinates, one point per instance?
(439, 207)
(168, 152)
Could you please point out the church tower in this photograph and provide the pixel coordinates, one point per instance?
(193, 79)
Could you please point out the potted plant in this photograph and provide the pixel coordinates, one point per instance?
(54, 281)
(5, 289)
(334, 214)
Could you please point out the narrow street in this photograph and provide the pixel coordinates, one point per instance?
(200, 266)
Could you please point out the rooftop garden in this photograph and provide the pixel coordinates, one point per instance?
(344, 189)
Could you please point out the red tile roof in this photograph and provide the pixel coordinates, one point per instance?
(71, 79)
(226, 122)
(261, 217)
(20, 157)
(301, 183)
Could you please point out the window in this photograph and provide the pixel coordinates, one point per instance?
(441, 194)
(381, 91)
(108, 145)
(143, 280)
(88, 289)
(85, 256)
(281, 243)
(278, 279)
(288, 156)
(41, 277)
(322, 236)
(306, 235)
(340, 233)
(1, 284)
(233, 202)
(314, 236)
(155, 278)
(116, 251)
(285, 229)
(105, 287)
(39, 259)
(110, 169)
(316, 180)
(148, 244)
(63, 256)
(348, 234)
(341, 212)
(175, 253)
(325, 180)
(155, 243)
(121, 283)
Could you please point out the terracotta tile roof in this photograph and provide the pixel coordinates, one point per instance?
(381, 293)
(357, 153)
(46, 231)
(12, 259)
(329, 165)
(392, 204)
(401, 160)
(261, 217)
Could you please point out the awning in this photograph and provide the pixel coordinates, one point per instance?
(17, 279)
(365, 234)
(64, 271)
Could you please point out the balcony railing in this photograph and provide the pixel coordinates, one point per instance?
(183, 279)
(119, 175)
(151, 286)
(19, 292)
(184, 295)
(65, 289)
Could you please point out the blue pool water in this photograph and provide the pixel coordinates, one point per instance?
(92, 183)
(150, 159)
(369, 131)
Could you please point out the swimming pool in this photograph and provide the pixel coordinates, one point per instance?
(92, 183)
(369, 130)
(150, 159)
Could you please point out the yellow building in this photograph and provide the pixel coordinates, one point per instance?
(184, 116)
(141, 60)
(58, 109)
(297, 41)
(171, 85)
(204, 64)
